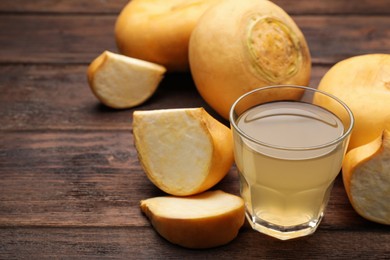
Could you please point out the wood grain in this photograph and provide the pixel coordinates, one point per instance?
(62, 6)
(58, 97)
(145, 243)
(335, 7)
(75, 178)
(370, 7)
(66, 40)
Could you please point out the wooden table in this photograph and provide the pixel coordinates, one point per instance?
(70, 180)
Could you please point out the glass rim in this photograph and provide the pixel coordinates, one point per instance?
(325, 145)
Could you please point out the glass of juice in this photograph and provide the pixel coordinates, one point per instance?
(289, 144)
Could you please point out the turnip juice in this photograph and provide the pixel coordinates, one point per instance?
(287, 159)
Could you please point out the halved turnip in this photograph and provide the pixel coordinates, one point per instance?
(183, 151)
(206, 220)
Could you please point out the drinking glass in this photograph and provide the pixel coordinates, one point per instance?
(289, 144)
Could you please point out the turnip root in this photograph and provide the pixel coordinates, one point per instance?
(183, 151)
(159, 30)
(363, 83)
(366, 175)
(122, 82)
(206, 220)
(238, 46)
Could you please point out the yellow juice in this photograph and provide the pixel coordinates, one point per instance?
(289, 185)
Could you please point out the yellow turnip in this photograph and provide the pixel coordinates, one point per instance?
(241, 45)
(159, 30)
(363, 83)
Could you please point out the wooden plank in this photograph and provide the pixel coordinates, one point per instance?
(70, 179)
(64, 39)
(333, 39)
(95, 179)
(335, 7)
(114, 7)
(62, 6)
(74, 179)
(56, 97)
(144, 243)
(55, 39)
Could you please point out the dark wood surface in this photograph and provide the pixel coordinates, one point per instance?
(70, 180)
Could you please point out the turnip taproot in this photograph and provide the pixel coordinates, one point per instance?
(205, 220)
(183, 151)
(363, 83)
(366, 176)
(238, 46)
(121, 82)
(159, 30)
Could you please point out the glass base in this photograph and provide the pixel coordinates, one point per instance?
(283, 232)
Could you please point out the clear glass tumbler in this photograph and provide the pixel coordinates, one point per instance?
(289, 144)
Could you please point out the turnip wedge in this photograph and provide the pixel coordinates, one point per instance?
(182, 151)
(206, 220)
